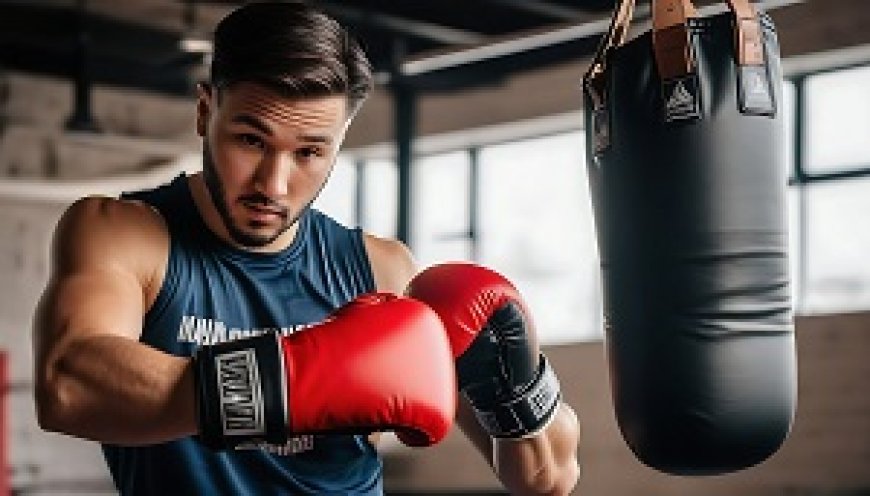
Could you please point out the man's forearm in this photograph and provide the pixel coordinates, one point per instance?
(543, 464)
(116, 390)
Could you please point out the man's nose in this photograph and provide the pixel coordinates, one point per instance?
(273, 174)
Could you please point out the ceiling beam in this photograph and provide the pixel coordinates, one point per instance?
(544, 8)
(424, 30)
(516, 46)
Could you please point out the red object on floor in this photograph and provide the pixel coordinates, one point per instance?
(4, 442)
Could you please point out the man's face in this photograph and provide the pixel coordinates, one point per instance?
(266, 157)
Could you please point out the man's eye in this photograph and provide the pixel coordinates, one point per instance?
(309, 152)
(250, 140)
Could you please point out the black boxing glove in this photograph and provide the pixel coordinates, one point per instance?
(510, 385)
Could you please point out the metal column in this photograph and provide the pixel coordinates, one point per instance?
(405, 121)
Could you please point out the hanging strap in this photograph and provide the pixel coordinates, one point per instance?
(615, 36)
(750, 45)
(671, 40)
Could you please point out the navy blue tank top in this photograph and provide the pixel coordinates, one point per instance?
(214, 292)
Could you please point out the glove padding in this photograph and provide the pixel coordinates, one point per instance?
(510, 385)
(382, 362)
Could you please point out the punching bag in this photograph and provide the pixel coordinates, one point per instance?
(687, 175)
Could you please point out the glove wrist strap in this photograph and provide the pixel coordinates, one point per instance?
(525, 415)
(240, 393)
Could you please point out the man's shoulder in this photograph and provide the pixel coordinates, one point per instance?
(389, 248)
(98, 214)
(392, 263)
(104, 229)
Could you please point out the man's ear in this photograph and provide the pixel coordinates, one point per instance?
(203, 107)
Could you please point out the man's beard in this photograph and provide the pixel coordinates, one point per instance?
(219, 200)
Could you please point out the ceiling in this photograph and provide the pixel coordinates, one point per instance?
(137, 43)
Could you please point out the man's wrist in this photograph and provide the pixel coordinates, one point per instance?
(240, 392)
(526, 414)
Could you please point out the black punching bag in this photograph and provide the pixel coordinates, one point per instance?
(687, 174)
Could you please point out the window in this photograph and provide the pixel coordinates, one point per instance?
(793, 198)
(380, 197)
(838, 120)
(795, 246)
(837, 243)
(536, 228)
(442, 211)
(832, 272)
(788, 106)
(338, 195)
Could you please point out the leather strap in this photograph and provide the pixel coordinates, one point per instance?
(671, 39)
(750, 46)
(614, 37)
(671, 42)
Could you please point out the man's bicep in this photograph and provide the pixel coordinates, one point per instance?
(77, 307)
(99, 300)
(94, 285)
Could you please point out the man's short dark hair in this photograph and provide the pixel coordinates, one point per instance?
(290, 47)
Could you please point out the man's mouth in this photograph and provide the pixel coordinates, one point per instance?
(264, 213)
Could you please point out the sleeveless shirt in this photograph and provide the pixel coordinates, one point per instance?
(213, 292)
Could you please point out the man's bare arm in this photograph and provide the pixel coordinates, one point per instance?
(94, 379)
(544, 464)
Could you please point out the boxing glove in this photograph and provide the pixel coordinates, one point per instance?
(381, 362)
(510, 385)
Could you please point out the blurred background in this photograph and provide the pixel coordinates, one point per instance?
(471, 148)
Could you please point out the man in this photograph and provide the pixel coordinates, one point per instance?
(155, 296)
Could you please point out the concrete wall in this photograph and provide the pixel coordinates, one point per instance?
(139, 131)
(827, 452)
(144, 138)
(41, 461)
(36, 458)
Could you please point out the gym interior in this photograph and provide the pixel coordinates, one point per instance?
(472, 147)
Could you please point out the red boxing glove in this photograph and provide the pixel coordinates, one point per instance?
(382, 362)
(509, 383)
